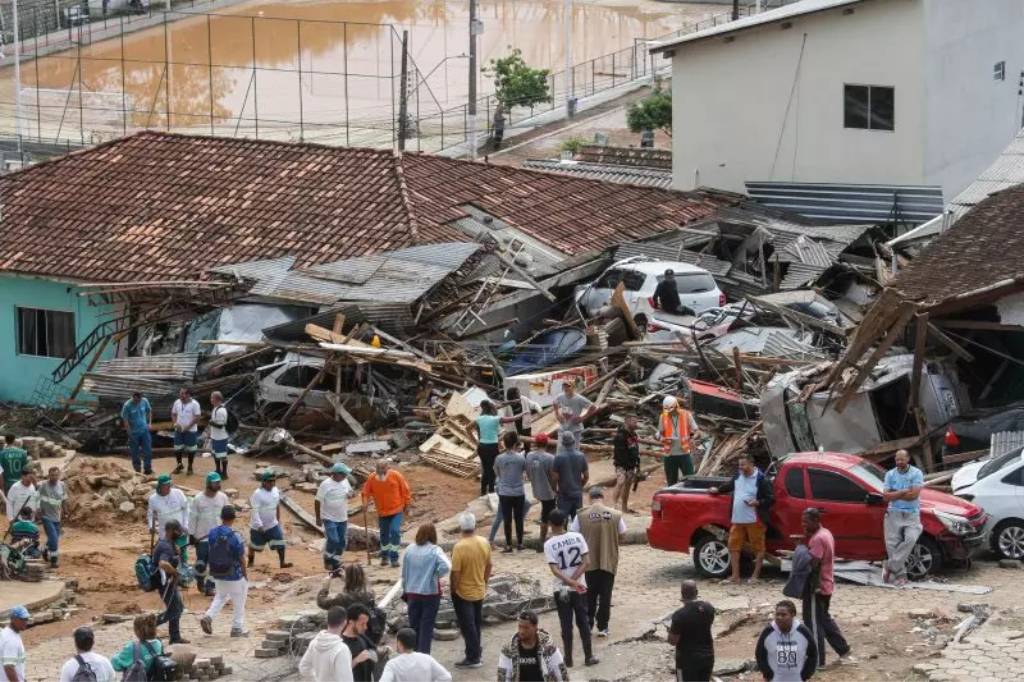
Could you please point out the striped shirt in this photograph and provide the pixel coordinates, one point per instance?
(263, 503)
(51, 499)
(204, 513)
(162, 509)
(12, 651)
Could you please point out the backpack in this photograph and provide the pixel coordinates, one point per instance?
(85, 672)
(145, 572)
(161, 668)
(137, 671)
(220, 560)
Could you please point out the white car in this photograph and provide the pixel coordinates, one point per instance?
(698, 290)
(997, 486)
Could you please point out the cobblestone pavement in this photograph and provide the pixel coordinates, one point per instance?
(891, 630)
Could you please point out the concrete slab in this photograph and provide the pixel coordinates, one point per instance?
(30, 595)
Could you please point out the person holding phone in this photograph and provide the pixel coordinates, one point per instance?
(752, 498)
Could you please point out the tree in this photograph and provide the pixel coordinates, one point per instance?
(654, 112)
(515, 83)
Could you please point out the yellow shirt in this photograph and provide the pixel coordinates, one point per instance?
(469, 560)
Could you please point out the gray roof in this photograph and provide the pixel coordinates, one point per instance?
(607, 172)
(797, 9)
(847, 204)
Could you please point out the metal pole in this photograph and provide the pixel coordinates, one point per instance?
(298, 43)
(472, 79)
(167, 70)
(17, 81)
(403, 95)
(568, 58)
(735, 9)
(81, 105)
(344, 54)
(39, 114)
(209, 58)
(255, 83)
(124, 103)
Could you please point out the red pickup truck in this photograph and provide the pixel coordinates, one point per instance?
(847, 490)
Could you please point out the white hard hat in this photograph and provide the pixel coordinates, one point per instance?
(668, 403)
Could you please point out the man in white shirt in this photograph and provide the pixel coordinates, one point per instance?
(568, 558)
(22, 495)
(185, 414)
(165, 504)
(12, 649)
(100, 665)
(204, 516)
(265, 520)
(412, 666)
(219, 434)
(328, 658)
(331, 508)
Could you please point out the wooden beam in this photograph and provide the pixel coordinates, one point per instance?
(619, 301)
(949, 343)
(302, 396)
(797, 317)
(907, 310)
(508, 262)
(920, 341)
(339, 409)
(738, 367)
(890, 446)
(964, 457)
(979, 325)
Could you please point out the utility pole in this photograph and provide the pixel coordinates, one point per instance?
(473, 31)
(570, 108)
(17, 82)
(403, 95)
(735, 9)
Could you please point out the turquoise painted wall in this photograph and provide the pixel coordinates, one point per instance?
(20, 374)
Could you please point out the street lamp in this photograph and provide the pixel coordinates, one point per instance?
(17, 80)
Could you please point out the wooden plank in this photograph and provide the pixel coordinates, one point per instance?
(978, 325)
(798, 317)
(949, 343)
(920, 341)
(508, 262)
(890, 446)
(355, 532)
(302, 396)
(339, 409)
(963, 457)
(619, 301)
(907, 310)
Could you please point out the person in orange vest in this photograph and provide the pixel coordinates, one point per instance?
(390, 493)
(676, 430)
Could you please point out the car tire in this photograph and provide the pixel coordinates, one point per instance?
(711, 557)
(1008, 539)
(925, 559)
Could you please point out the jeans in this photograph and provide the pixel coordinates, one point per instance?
(141, 443)
(599, 597)
(676, 464)
(336, 533)
(52, 529)
(488, 453)
(422, 616)
(575, 605)
(172, 615)
(237, 591)
(902, 529)
(696, 669)
(821, 623)
(204, 582)
(500, 517)
(390, 537)
(570, 505)
(512, 508)
(469, 615)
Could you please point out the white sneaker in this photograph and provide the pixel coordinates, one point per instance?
(602, 633)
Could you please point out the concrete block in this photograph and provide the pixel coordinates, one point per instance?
(262, 652)
(278, 635)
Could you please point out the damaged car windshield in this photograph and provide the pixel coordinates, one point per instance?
(870, 474)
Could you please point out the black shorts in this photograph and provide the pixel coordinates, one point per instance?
(545, 509)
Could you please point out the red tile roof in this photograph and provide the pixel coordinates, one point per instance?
(158, 206)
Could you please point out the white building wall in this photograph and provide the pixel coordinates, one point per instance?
(970, 118)
(734, 118)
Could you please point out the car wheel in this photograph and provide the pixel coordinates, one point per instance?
(1008, 540)
(925, 559)
(711, 557)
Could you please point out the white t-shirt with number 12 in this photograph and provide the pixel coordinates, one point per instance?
(566, 552)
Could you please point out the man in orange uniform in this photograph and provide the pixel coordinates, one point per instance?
(676, 429)
(390, 493)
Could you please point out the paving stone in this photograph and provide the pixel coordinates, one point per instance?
(925, 667)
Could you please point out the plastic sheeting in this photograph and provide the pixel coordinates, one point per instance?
(242, 323)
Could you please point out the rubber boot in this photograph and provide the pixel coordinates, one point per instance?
(280, 555)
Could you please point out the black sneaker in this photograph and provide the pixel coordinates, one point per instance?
(591, 660)
(464, 663)
(507, 550)
(178, 469)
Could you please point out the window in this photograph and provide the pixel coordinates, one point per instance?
(831, 487)
(999, 71)
(994, 465)
(299, 376)
(1015, 477)
(869, 107)
(47, 333)
(609, 280)
(795, 483)
(693, 282)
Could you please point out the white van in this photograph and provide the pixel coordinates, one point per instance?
(697, 288)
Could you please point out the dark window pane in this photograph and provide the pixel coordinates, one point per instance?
(290, 378)
(60, 334)
(795, 483)
(883, 108)
(46, 333)
(855, 109)
(1015, 477)
(609, 280)
(831, 487)
(633, 280)
(695, 283)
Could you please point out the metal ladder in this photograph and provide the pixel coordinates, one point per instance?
(471, 315)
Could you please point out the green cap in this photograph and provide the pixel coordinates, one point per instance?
(212, 477)
(163, 479)
(340, 468)
(269, 475)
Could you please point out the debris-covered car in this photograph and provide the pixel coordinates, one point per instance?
(698, 290)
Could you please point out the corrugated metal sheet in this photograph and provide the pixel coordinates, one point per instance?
(537, 257)
(805, 250)
(1004, 441)
(647, 177)
(394, 318)
(171, 366)
(768, 341)
(840, 203)
(799, 275)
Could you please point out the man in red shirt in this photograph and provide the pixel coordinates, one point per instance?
(817, 595)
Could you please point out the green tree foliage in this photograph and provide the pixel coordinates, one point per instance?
(654, 112)
(515, 83)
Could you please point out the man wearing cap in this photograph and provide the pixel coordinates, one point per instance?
(569, 473)
(666, 294)
(676, 430)
(471, 572)
(185, 414)
(538, 470)
(603, 529)
(203, 517)
(331, 507)
(137, 417)
(265, 519)
(12, 650)
(165, 504)
(390, 494)
(232, 579)
(571, 411)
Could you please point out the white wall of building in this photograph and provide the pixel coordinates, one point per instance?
(970, 118)
(753, 109)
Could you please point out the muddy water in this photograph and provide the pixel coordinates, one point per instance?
(317, 64)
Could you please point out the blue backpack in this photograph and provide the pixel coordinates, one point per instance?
(221, 559)
(145, 571)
